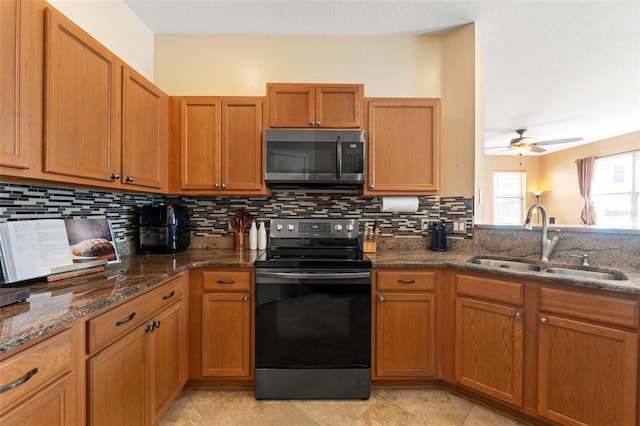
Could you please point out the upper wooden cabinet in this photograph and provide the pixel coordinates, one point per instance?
(21, 50)
(404, 146)
(313, 105)
(104, 124)
(220, 146)
(145, 111)
(81, 113)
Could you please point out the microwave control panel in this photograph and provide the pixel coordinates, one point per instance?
(352, 157)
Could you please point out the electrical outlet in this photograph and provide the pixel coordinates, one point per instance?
(424, 224)
(460, 226)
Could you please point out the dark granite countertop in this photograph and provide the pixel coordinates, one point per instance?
(53, 305)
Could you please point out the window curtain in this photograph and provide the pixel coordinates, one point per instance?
(586, 169)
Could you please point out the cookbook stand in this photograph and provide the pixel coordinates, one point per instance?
(75, 270)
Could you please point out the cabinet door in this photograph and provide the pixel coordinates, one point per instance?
(81, 136)
(10, 152)
(21, 56)
(404, 146)
(339, 106)
(144, 131)
(405, 335)
(489, 349)
(200, 143)
(241, 145)
(226, 335)
(167, 358)
(53, 405)
(116, 382)
(291, 105)
(586, 373)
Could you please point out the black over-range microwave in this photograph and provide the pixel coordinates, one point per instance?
(332, 159)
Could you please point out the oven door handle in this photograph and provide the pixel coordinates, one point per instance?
(315, 275)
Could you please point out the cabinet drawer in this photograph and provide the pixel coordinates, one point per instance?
(406, 280)
(34, 367)
(116, 322)
(221, 280)
(605, 309)
(490, 289)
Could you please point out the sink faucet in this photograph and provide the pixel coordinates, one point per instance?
(547, 244)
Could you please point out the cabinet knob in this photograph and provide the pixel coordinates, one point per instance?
(519, 314)
(216, 186)
(318, 123)
(245, 299)
(115, 176)
(544, 320)
(129, 179)
(312, 123)
(156, 324)
(380, 298)
(372, 186)
(149, 328)
(224, 186)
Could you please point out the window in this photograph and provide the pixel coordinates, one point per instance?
(509, 197)
(616, 190)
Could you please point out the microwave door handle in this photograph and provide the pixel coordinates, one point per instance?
(339, 158)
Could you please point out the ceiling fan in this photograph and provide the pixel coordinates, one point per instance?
(521, 145)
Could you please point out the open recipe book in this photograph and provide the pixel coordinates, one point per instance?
(38, 248)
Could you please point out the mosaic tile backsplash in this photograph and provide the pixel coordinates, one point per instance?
(210, 214)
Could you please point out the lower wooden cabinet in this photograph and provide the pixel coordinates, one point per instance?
(225, 324)
(405, 325)
(134, 380)
(53, 405)
(587, 373)
(489, 337)
(38, 386)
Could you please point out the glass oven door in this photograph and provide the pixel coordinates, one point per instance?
(313, 319)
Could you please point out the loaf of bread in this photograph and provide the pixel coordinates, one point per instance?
(93, 247)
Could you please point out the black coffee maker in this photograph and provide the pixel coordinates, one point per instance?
(438, 236)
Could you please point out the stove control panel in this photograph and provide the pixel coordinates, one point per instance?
(314, 228)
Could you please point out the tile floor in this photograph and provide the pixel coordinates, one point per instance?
(385, 407)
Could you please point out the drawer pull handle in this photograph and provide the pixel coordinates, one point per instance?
(29, 375)
(125, 320)
(169, 296)
(226, 282)
(407, 281)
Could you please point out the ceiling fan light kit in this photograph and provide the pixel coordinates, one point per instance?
(522, 144)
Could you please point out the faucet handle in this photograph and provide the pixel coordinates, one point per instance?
(584, 257)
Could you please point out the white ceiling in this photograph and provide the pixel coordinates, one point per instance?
(558, 68)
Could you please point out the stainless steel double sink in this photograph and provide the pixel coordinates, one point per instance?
(530, 266)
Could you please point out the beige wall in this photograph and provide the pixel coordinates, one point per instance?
(458, 111)
(242, 65)
(560, 179)
(114, 25)
(388, 66)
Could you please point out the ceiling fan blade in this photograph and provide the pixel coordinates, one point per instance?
(496, 147)
(535, 148)
(557, 141)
